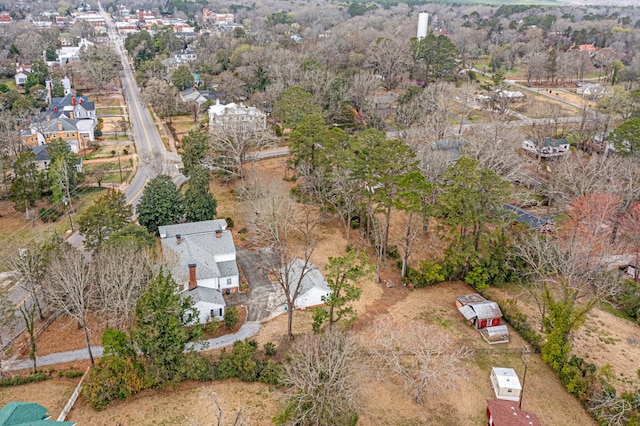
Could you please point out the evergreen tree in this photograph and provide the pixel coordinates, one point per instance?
(294, 105)
(470, 206)
(161, 204)
(342, 275)
(194, 147)
(108, 214)
(199, 204)
(182, 78)
(63, 175)
(165, 324)
(26, 188)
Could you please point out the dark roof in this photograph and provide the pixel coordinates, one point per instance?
(67, 101)
(555, 142)
(41, 152)
(524, 216)
(507, 413)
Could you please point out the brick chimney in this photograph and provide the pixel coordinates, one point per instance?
(193, 283)
(71, 115)
(73, 101)
(218, 233)
(59, 126)
(178, 238)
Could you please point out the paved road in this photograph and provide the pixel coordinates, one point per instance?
(257, 299)
(153, 158)
(247, 330)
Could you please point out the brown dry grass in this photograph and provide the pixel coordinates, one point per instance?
(381, 400)
(191, 403)
(604, 340)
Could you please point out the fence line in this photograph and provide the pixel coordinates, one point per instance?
(502, 351)
(38, 331)
(74, 397)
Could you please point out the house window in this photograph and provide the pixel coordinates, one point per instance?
(212, 314)
(221, 314)
(509, 390)
(229, 282)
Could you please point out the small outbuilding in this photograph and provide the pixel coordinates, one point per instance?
(505, 383)
(479, 311)
(313, 286)
(505, 413)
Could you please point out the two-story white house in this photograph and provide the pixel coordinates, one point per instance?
(220, 114)
(205, 258)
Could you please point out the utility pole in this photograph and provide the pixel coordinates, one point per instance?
(64, 179)
(120, 167)
(525, 359)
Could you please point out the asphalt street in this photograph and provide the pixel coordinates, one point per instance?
(153, 158)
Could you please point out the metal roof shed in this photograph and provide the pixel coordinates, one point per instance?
(505, 383)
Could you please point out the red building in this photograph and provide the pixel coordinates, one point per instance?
(507, 413)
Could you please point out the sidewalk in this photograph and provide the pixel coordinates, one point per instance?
(247, 330)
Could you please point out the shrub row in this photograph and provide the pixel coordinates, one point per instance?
(21, 380)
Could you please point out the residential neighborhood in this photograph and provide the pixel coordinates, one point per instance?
(320, 214)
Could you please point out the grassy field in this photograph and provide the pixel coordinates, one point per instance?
(16, 231)
(101, 111)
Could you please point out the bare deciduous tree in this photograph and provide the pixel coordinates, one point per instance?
(29, 263)
(422, 355)
(207, 396)
(389, 59)
(69, 287)
(495, 145)
(288, 230)
(232, 140)
(320, 375)
(122, 274)
(361, 87)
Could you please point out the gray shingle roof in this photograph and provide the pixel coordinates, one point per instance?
(200, 246)
(524, 216)
(313, 278)
(205, 294)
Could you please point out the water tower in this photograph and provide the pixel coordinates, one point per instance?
(423, 23)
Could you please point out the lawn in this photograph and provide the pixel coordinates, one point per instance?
(105, 151)
(102, 111)
(16, 231)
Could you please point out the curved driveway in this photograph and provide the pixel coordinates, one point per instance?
(247, 330)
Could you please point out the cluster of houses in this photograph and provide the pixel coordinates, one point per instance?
(203, 256)
(70, 118)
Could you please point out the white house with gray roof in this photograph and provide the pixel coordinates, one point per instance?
(206, 263)
(313, 287)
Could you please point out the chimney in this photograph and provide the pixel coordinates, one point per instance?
(48, 117)
(178, 238)
(73, 100)
(59, 125)
(71, 115)
(218, 233)
(193, 283)
(81, 100)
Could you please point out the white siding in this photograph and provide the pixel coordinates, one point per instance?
(209, 282)
(205, 308)
(225, 257)
(229, 282)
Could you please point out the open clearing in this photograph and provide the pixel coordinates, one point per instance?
(381, 400)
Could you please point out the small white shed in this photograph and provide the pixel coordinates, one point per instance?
(505, 383)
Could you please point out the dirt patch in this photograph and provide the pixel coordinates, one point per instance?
(52, 393)
(161, 407)
(609, 340)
